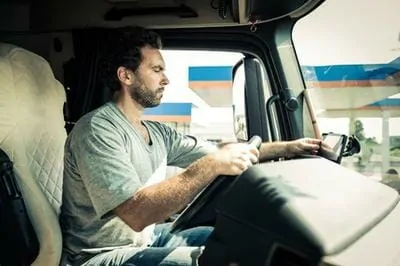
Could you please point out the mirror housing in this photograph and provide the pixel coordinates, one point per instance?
(248, 97)
(238, 101)
(353, 146)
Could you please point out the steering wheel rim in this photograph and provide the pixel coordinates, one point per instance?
(206, 196)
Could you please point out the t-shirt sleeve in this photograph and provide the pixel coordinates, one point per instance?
(185, 149)
(105, 167)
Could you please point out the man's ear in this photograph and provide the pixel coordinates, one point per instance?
(125, 76)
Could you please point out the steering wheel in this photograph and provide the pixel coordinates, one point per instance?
(202, 209)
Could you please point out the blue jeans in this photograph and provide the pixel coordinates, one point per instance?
(180, 249)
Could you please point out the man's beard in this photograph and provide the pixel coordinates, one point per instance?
(144, 96)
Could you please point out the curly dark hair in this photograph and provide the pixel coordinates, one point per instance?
(123, 48)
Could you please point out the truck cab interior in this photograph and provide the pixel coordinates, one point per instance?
(304, 211)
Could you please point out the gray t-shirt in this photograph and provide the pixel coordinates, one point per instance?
(106, 162)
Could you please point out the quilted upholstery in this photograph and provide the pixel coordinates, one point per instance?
(32, 134)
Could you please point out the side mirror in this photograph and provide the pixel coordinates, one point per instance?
(238, 99)
(248, 95)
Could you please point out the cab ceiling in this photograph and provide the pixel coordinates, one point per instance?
(56, 15)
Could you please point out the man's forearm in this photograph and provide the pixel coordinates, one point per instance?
(157, 202)
(273, 150)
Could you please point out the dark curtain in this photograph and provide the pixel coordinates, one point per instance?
(85, 89)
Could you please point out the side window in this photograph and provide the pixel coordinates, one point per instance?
(351, 66)
(206, 94)
(198, 101)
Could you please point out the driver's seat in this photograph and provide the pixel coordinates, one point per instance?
(32, 134)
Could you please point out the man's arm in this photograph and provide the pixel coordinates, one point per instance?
(155, 203)
(273, 150)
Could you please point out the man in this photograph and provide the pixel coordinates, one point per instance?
(115, 163)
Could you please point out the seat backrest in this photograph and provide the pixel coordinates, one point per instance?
(32, 134)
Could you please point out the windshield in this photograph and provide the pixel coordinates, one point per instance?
(349, 52)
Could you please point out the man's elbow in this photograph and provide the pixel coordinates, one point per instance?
(137, 226)
(133, 222)
(130, 214)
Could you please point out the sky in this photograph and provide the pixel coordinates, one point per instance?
(356, 31)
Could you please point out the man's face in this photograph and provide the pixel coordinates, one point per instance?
(150, 79)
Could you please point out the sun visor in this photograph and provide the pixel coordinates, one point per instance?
(275, 9)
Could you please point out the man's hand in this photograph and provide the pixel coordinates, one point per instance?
(304, 146)
(234, 158)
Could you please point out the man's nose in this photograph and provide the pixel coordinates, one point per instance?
(165, 80)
